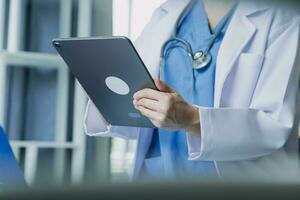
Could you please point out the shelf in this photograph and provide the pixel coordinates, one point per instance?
(42, 145)
(31, 59)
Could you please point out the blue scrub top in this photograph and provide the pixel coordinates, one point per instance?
(167, 157)
(11, 176)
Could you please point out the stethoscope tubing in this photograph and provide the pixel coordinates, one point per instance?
(176, 39)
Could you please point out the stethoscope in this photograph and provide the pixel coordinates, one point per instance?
(200, 59)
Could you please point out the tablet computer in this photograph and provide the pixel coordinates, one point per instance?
(110, 71)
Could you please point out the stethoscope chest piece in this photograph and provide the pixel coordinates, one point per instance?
(201, 60)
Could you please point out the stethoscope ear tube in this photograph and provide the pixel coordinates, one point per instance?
(161, 68)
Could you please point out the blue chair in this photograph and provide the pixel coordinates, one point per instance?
(11, 176)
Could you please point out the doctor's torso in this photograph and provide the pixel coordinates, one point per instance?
(240, 70)
(251, 128)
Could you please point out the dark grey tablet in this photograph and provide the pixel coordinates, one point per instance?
(111, 71)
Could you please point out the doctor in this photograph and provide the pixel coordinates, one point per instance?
(231, 116)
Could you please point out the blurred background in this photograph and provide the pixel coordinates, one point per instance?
(42, 106)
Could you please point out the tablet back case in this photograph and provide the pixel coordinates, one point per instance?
(93, 60)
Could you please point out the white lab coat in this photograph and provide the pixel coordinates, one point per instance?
(252, 129)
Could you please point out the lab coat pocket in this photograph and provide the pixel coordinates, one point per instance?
(244, 78)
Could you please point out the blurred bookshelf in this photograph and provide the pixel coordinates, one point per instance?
(12, 55)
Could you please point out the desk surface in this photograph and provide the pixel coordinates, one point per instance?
(168, 191)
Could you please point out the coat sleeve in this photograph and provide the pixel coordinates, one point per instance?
(232, 134)
(96, 125)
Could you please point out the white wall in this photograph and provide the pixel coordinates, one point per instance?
(131, 16)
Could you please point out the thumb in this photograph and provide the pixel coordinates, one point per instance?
(161, 86)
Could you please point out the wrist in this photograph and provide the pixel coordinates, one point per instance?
(194, 121)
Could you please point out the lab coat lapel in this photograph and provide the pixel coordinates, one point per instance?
(149, 48)
(160, 33)
(238, 35)
(144, 141)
